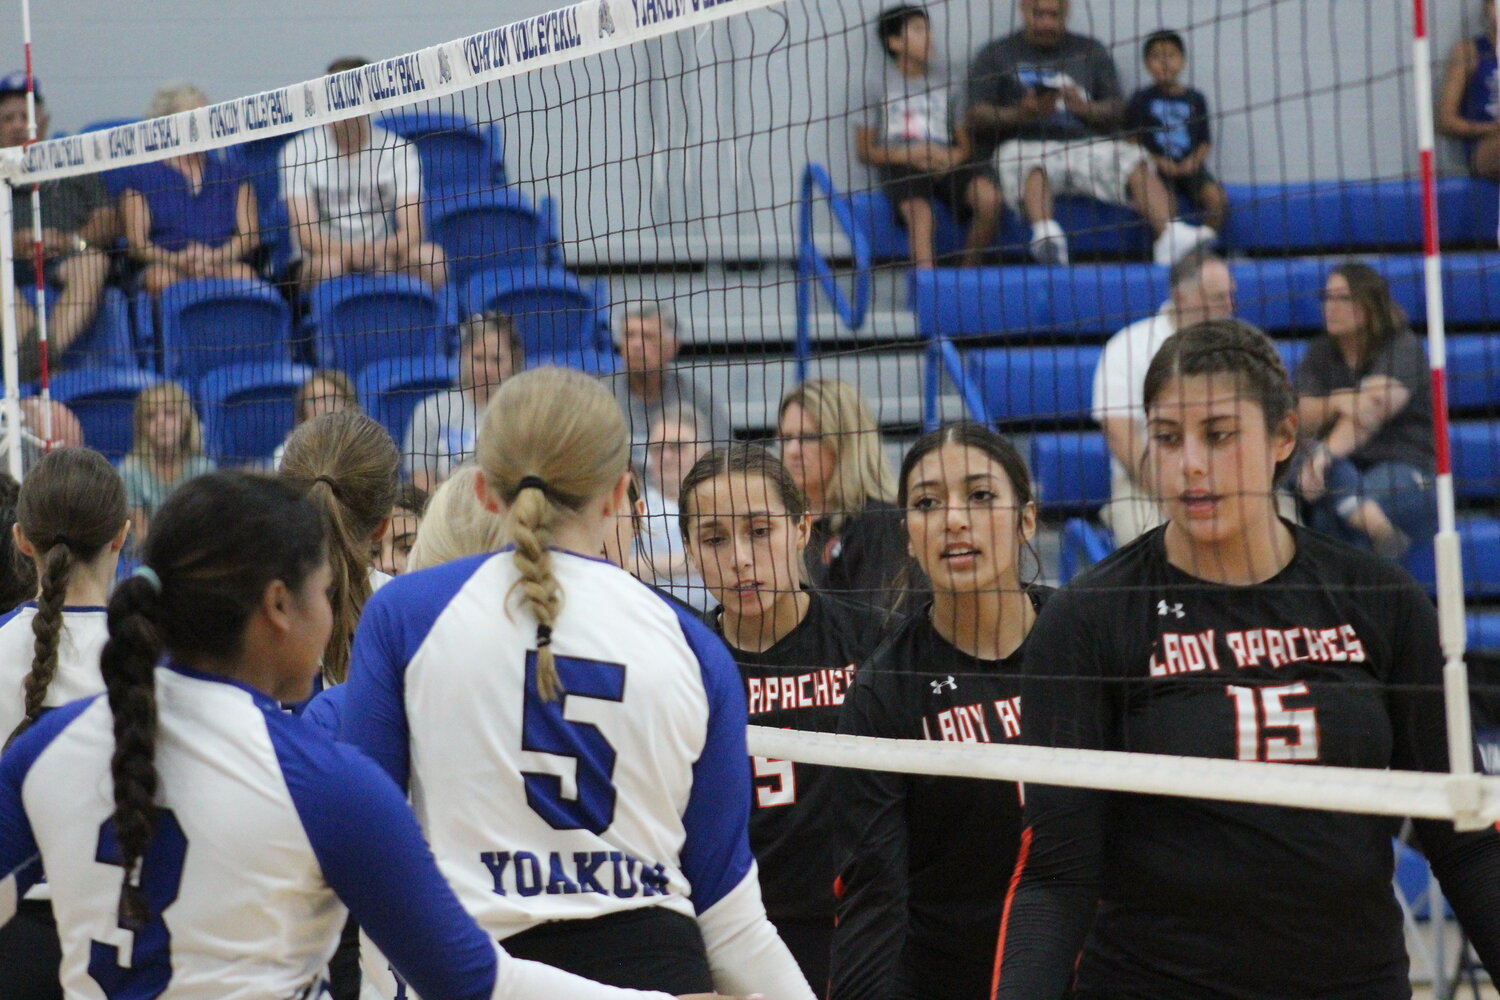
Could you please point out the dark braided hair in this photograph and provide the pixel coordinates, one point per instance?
(1227, 347)
(71, 506)
(215, 546)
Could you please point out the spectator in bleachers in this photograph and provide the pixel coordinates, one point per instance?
(17, 573)
(390, 553)
(190, 216)
(651, 384)
(442, 428)
(67, 432)
(833, 449)
(919, 151)
(326, 390)
(1170, 119)
(1202, 289)
(456, 524)
(676, 440)
(1469, 104)
(1365, 407)
(1051, 100)
(166, 450)
(79, 223)
(353, 193)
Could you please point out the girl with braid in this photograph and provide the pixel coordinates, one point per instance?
(70, 523)
(1230, 633)
(574, 745)
(200, 842)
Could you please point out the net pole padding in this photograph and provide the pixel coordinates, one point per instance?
(1306, 786)
(560, 36)
(38, 253)
(10, 355)
(1446, 549)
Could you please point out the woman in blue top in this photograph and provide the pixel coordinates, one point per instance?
(191, 216)
(197, 839)
(1469, 104)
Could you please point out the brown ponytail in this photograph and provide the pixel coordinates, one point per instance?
(346, 464)
(553, 440)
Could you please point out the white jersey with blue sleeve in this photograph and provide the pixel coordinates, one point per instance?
(260, 822)
(630, 790)
(83, 635)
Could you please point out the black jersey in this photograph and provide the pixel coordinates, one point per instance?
(930, 857)
(1334, 661)
(866, 559)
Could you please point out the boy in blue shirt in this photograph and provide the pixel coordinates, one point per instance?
(1170, 120)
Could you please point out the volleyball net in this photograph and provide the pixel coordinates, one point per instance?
(712, 203)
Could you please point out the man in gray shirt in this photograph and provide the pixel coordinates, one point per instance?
(650, 384)
(1048, 102)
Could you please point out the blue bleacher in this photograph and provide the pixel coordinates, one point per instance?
(106, 342)
(1479, 538)
(261, 160)
(1035, 384)
(981, 302)
(389, 390)
(490, 230)
(1484, 630)
(1474, 372)
(1476, 460)
(358, 319)
(248, 409)
(210, 323)
(1082, 544)
(1071, 470)
(555, 315)
(456, 154)
(103, 399)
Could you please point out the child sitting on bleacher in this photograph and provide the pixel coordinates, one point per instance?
(166, 450)
(919, 152)
(1170, 120)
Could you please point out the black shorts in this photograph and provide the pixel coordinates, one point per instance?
(652, 948)
(25, 271)
(30, 955)
(1190, 188)
(951, 187)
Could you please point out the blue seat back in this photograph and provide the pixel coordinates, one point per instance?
(1098, 300)
(553, 312)
(1476, 460)
(1474, 371)
(1071, 470)
(248, 409)
(1479, 538)
(456, 154)
(391, 388)
(490, 230)
(103, 399)
(106, 343)
(1278, 295)
(1035, 384)
(358, 319)
(980, 302)
(207, 324)
(1083, 543)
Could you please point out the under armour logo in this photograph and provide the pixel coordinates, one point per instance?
(606, 20)
(949, 683)
(1163, 609)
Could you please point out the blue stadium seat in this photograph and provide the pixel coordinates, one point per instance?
(248, 409)
(1035, 384)
(978, 302)
(210, 323)
(1278, 295)
(487, 230)
(1094, 228)
(1291, 352)
(1474, 371)
(456, 154)
(106, 343)
(1071, 470)
(1484, 630)
(554, 313)
(104, 400)
(358, 319)
(1329, 215)
(1083, 543)
(1479, 540)
(390, 389)
(1100, 299)
(261, 160)
(1467, 209)
(874, 214)
(1471, 286)
(1476, 460)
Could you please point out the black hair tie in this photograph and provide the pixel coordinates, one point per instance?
(543, 636)
(531, 483)
(329, 481)
(61, 539)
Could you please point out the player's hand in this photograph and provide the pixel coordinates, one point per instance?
(1036, 105)
(1074, 100)
(1311, 479)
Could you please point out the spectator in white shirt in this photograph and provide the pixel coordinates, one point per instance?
(354, 196)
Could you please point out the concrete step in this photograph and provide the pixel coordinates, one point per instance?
(780, 329)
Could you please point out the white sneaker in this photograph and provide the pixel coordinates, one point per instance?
(1049, 244)
(1180, 239)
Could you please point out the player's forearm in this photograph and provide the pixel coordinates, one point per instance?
(744, 952)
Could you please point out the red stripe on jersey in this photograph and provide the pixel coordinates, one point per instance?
(1010, 895)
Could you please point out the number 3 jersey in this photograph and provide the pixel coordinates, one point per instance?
(631, 790)
(1333, 661)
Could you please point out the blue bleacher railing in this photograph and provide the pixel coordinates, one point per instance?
(813, 266)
